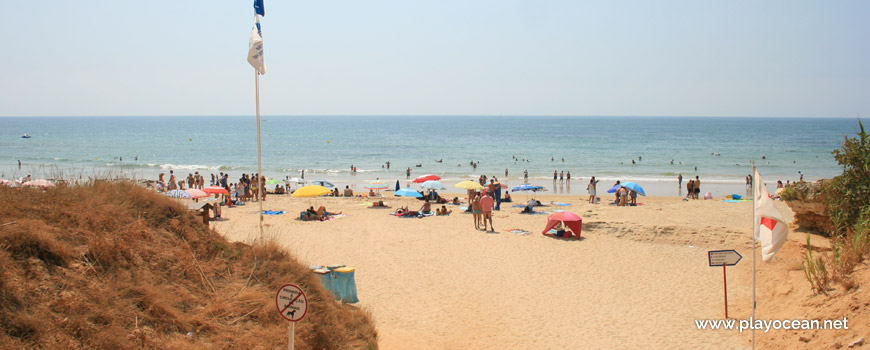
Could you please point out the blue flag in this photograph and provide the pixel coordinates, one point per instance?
(258, 8)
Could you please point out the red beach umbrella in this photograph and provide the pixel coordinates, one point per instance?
(215, 189)
(573, 221)
(425, 178)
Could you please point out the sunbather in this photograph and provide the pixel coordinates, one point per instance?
(506, 198)
(426, 208)
(443, 211)
(323, 213)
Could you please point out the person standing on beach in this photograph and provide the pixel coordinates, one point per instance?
(525, 176)
(303, 174)
(697, 186)
(408, 173)
(592, 188)
(172, 184)
(748, 180)
(475, 209)
(690, 187)
(568, 177)
(263, 186)
(555, 175)
(486, 208)
(497, 193)
(388, 165)
(505, 173)
(680, 181)
(562, 176)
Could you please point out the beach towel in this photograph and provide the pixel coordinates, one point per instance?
(561, 204)
(518, 206)
(736, 200)
(537, 213)
(272, 212)
(518, 231)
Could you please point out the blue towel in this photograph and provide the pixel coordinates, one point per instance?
(518, 206)
(272, 212)
(561, 204)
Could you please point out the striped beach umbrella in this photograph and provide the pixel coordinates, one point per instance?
(177, 194)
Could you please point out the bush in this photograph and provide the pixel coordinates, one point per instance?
(848, 195)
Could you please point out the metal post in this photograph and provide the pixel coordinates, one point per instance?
(292, 339)
(754, 234)
(725, 284)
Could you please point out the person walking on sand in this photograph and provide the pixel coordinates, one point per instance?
(475, 209)
(697, 186)
(592, 188)
(497, 193)
(486, 207)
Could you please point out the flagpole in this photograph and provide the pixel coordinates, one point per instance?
(754, 234)
(259, 159)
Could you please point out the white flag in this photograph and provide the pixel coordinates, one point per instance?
(770, 228)
(255, 50)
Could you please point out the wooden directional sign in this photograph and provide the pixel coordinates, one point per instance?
(292, 302)
(723, 257)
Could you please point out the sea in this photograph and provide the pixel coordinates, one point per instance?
(650, 151)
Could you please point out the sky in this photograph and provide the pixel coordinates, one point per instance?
(445, 57)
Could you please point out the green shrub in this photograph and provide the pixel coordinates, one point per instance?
(848, 195)
(816, 271)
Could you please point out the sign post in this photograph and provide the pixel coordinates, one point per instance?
(292, 305)
(724, 258)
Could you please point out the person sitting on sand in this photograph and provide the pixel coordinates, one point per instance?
(455, 201)
(530, 206)
(443, 211)
(507, 198)
(279, 189)
(311, 214)
(426, 208)
(379, 204)
(348, 192)
(335, 192)
(371, 193)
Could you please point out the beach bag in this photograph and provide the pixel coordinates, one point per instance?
(708, 195)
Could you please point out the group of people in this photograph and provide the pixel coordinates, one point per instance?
(481, 207)
(318, 215)
(561, 176)
(693, 188)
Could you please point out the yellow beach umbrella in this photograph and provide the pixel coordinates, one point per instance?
(311, 191)
(469, 185)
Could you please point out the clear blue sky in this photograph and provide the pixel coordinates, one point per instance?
(470, 57)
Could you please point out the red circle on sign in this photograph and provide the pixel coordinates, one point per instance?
(301, 295)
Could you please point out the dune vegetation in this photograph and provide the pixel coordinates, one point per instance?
(113, 265)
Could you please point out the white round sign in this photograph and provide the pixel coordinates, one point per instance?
(292, 302)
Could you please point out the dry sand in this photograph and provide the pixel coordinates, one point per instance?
(638, 278)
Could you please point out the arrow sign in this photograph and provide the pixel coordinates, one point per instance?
(723, 257)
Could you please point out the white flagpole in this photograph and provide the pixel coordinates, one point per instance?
(259, 159)
(754, 234)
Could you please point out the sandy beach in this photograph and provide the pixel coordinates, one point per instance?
(638, 278)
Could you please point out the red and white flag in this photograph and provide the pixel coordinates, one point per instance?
(770, 227)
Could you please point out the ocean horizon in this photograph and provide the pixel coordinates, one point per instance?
(638, 149)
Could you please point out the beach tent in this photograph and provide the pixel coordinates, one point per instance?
(569, 219)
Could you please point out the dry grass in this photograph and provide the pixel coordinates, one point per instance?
(115, 266)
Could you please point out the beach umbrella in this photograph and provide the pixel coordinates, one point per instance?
(569, 219)
(425, 178)
(397, 185)
(613, 189)
(529, 187)
(407, 192)
(323, 183)
(215, 190)
(634, 187)
(469, 185)
(41, 183)
(295, 180)
(433, 185)
(376, 185)
(311, 191)
(195, 193)
(177, 194)
(273, 181)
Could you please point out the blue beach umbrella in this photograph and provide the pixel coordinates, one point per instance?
(407, 192)
(613, 189)
(323, 183)
(528, 187)
(634, 187)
